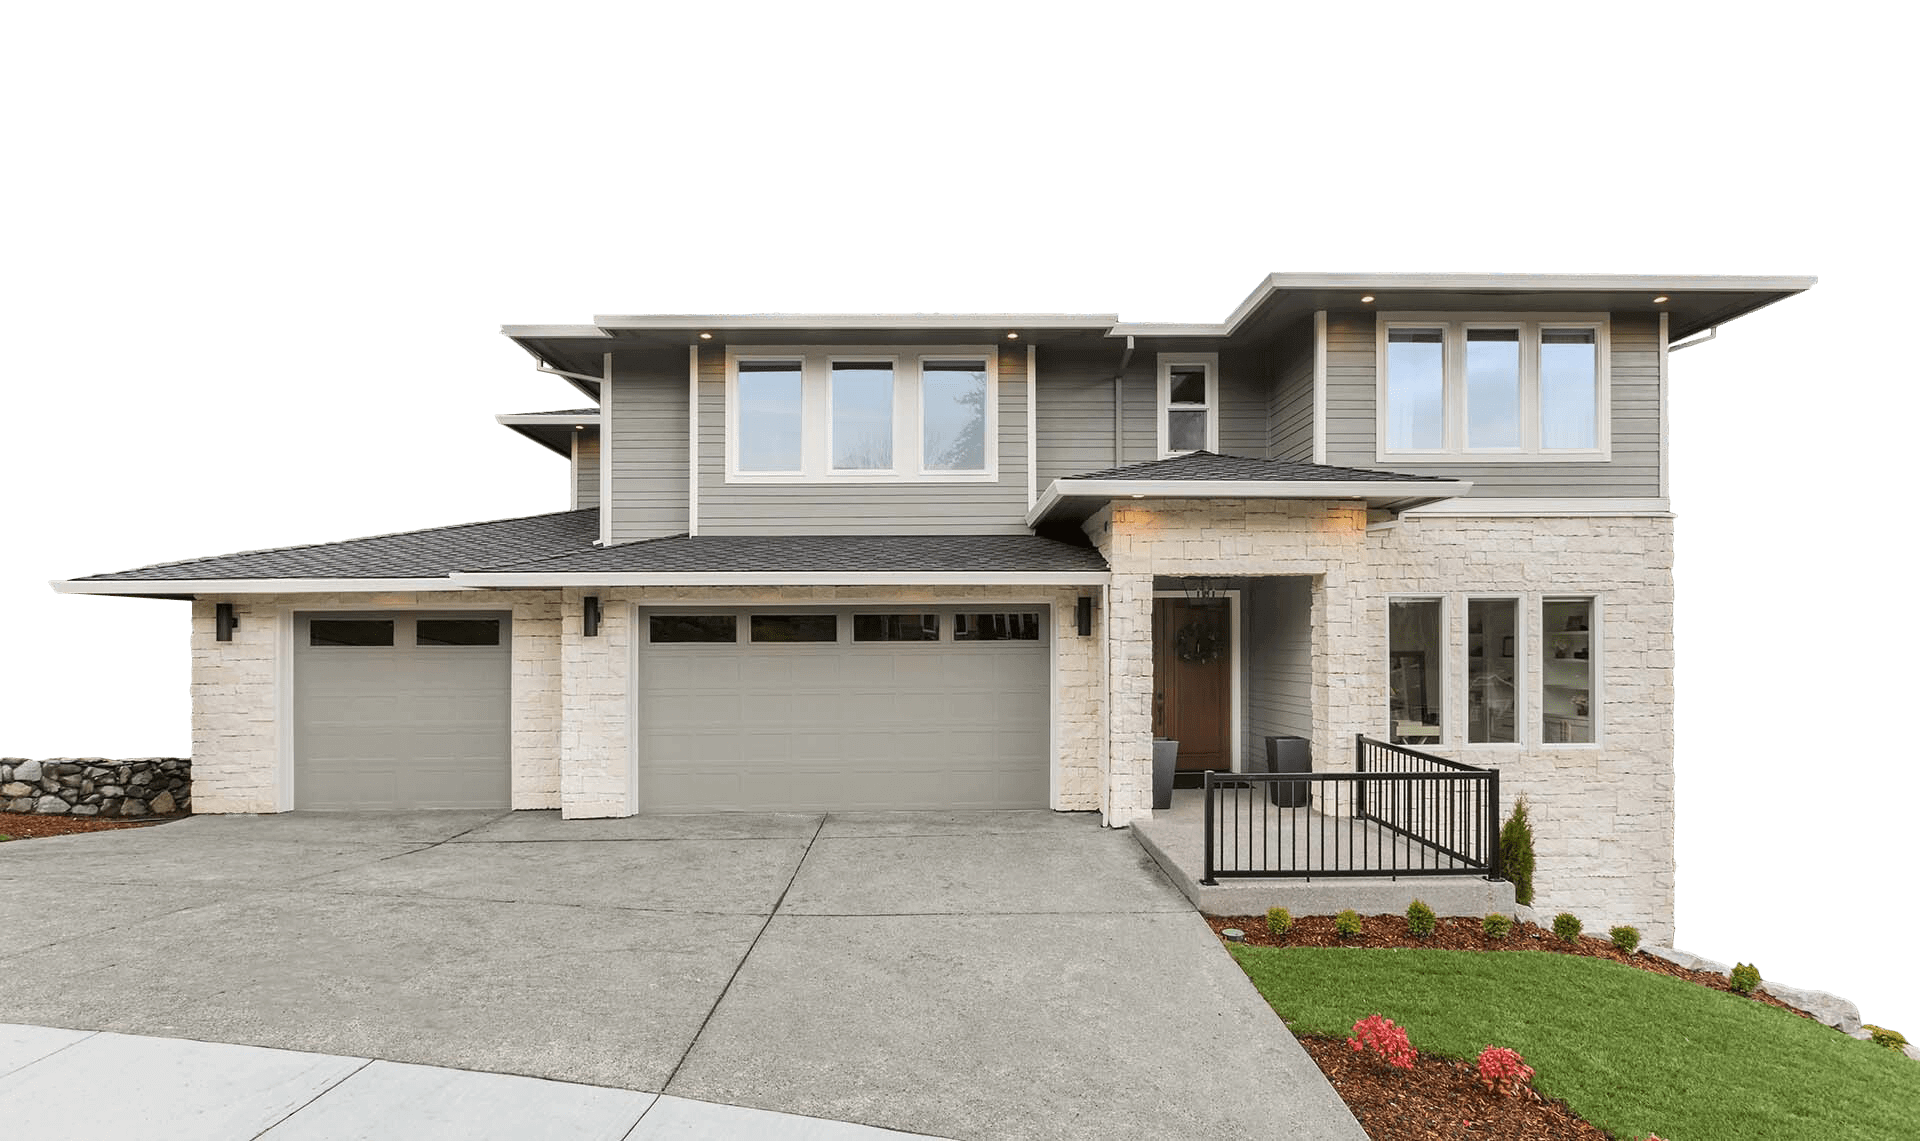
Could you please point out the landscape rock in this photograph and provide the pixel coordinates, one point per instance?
(1686, 959)
(96, 786)
(15, 788)
(50, 806)
(1827, 1009)
(86, 810)
(28, 772)
(133, 808)
(163, 804)
(1911, 1050)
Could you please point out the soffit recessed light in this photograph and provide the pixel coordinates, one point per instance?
(706, 336)
(1367, 300)
(1013, 336)
(1139, 497)
(1660, 300)
(579, 427)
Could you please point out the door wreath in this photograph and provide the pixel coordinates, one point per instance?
(1199, 642)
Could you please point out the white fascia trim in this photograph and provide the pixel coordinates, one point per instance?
(495, 580)
(552, 332)
(606, 450)
(251, 585)
(1371, 489)
(548, 419)
(1595, 507)
(748, 322)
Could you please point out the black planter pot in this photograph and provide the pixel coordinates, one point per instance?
(1289, 755)
(1165, 753)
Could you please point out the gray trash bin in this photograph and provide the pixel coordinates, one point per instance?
(1165, 754)
(1289, 755)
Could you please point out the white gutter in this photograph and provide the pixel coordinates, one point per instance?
(564, 374)
(1712, 332)
(745, 322)
(1368, 489)
(545, 419)
(501, 580)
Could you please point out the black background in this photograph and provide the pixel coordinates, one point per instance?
(352, 392)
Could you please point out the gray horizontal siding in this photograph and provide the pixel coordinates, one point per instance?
(646, 425)
(1290, 404)
(1633, 472)
(1279, 680)
(1076, 409)
(586, 468)
(998, 507)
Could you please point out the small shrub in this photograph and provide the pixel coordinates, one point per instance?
(1497, 926)
(1626, 940)
(1567, 926)
(1743, 978)
(1891, 1039)
(1279, 921)
(1387, 1041)
(1516, 852)
(1503, 1071)
(1420, 920)
(1347, 924)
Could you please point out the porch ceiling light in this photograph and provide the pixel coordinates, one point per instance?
(706, 336)
(1367, 300)
(1013, 336)
(1660, 300)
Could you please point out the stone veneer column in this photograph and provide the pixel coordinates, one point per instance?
(236, 709)
(536, 700)
(596, 768)
(1129, 784)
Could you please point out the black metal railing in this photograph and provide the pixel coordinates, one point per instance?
(1401, 812)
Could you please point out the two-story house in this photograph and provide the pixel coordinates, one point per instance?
(939, 561)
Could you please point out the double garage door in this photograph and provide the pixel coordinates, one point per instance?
(735, 710)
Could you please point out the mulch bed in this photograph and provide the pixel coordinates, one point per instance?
(1439, 1099)
(29, 826)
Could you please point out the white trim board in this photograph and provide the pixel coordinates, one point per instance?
(1558, 508)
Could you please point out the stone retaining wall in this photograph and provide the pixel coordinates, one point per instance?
(97, 786)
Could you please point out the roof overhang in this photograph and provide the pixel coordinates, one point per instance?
(1076, 499)
(1693, 302)
(189, 588)
(551, 430)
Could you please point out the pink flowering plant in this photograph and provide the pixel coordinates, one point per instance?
(1387, 1041)
(1503, 1071)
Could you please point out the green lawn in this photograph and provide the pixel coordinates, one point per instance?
(1631, 1051)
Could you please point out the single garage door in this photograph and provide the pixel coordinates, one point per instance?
(839, 710)
(401, 710)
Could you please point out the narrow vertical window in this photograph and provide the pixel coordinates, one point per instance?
(769, 395)
(1414, 641)
(1493, 388)
(1189, 407)
(1493, 671)
(862, 398)
(1416, 390)
(1569, 389)
(953, 415)
(1568, 646)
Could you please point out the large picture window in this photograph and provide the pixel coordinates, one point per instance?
(861, 414)
(1493, 389)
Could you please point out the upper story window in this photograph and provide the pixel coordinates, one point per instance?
(1188, 408)
(861, 415)
(1493, 388)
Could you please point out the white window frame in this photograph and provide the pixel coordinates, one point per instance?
(816, 413)
(1454, 328)
(1596, 671)
(1448, 723)
(1163, 403)
(1521, 682)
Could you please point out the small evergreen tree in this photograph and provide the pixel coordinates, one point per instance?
(1516, 852)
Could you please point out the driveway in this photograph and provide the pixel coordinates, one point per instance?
(1004, 974)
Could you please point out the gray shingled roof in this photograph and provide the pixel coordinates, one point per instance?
(433, 553)
(1210, 466)
(813, 554)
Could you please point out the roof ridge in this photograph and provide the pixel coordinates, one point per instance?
(339, 542)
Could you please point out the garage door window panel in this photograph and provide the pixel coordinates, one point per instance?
(692, 628)
(896, 627)
(792, 628)
(350, 632)
(457, 632)
(971, 626)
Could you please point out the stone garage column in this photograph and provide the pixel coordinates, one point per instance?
(1129, 698)
(596, 765)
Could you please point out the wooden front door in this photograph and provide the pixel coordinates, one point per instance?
(1193, 679)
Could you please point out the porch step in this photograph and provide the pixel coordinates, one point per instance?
(1173, 840)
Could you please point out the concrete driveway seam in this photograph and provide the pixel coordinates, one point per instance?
(412, 852)
(318, 1094)
(748, 954)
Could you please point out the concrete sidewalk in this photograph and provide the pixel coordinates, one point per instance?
(163, 1088)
